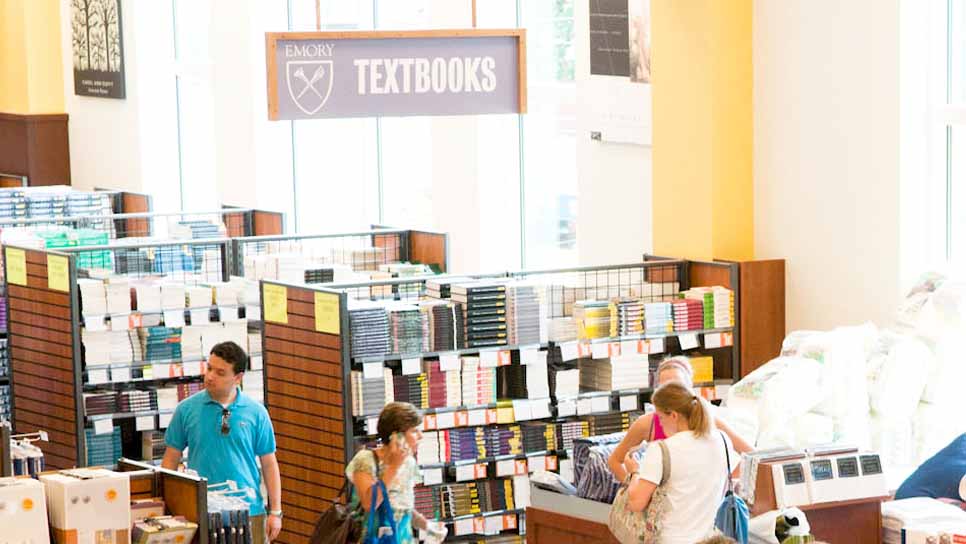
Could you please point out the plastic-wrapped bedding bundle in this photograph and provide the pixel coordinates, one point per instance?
(779, 391)
(897, 377)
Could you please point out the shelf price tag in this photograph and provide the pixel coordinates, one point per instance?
(688, 341)
(476, 418)
(372, 370)
(601, 404)
(538, 463)
(531, 355)
(144, 423)
(630, 347)
(584, 349)
(164, 420)
(506, 467)
(569, 351)
(446, 420)
(173, 318)
(429, 422)
(465, 473)
(449, 361)
(489, 358)
(628, 403)
(566, 408)
(656, 345)
(503, 357)
(494, 524)
(432, 476)
(462, 418)
(412, 365)
(104, 426)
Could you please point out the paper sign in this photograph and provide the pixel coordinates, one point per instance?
(161, 371)
(135, 320)
(449, 361)
(121, 322)
(465, 473)
(727, 339)
(584, 349)
(509, 521)
(95, 323)
(552, 462)
(164, 420)
(429, 422)
(503, 357)
(372, 425)
(628, 403)
(504, 415)
(412, 366)
(327, 312)
(200, 316)
(144, 423)
(275, 300)
(16, 266)
(599, 351)
(505, 468)
(432, 476)
(104, 426)
(688, 341)
(479, 470)
(566, 408)
(601, 404)
(489, 359)
(174, 318)
(476, 417)
(540, 409)
(530, 355)
(712, 340)
(656, 345)
(585, 406)
(462, 419)
(478, 525)
(630, 347)
(58, 277)
(371, 371)
(120, 375)
(521, 410)
(446, 420)
(538, 463)
(568, 351)
(97, 376)
(520, 467)
(494, 524)
(463, 527)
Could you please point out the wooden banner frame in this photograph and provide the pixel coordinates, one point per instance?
(272, 39)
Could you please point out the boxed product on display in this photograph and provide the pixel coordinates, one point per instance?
(23, 512)
(163, 530)
(89, 506)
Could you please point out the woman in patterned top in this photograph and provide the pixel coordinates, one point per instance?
(392, 462)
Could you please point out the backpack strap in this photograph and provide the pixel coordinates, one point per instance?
(665, 462)
(727, 463)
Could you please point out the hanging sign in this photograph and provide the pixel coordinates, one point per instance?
(317, 75)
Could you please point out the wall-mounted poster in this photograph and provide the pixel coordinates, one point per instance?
(608, 38)
(639, 32)
(97, 48)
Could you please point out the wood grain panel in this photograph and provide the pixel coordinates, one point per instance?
(298, 444)
(39, 333)
(428, 248)
(287, 376)
(309, 462)
(34, 421)
(38, 382)
(300, 473)
(709, 275)
(545, 527)
(38, 407)
(54, 399)
(47, 296)
(315, 421)
(311, 338)
(43, 364)
(299, 405)
(331, 369)
(26, 305)
(46, 321)
(267, 223)
(314, 352)
(321, 396)
(762, 312)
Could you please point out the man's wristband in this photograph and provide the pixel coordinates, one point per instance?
(276, 513)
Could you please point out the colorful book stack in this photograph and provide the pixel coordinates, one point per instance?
(502, 440)
(103, 449)
(538, 436)
(484, 312)
(428, 502)
(446, 331)
(428, 452)
(601, 424)
(170, 259)
(4, 359)
(568, 431)
(319, 275)
(369, 328)
(626, 317)
(445, 388)
(185, 390)
(688, 314)
(100, 403)
(137, 401)
(412, 388)
(160, 343)
(466, 443)
(614, 374)
(593, 319)
(13, 204)
(370, 395)
(3, 309)
(658, 318)
(409, 329)
(479, 384)
(523, 315)
(4, 403)
(460, 499)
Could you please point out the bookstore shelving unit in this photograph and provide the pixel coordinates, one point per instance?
(184, 494)
(5, 468)
(251, 222)
(308, 366)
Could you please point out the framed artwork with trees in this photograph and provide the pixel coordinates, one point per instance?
(97, 46)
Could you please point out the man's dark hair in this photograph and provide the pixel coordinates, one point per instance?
(232, 354)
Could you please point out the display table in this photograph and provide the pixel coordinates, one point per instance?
(847, 521)
(560, 519)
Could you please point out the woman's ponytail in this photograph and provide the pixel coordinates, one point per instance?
(675, 397)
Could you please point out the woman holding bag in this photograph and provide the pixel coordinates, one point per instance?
(389, 469)
(698, 467)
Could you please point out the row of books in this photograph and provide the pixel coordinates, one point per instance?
(159, 343)
(121, 295)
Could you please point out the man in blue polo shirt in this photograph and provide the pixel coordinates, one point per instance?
(225, 431)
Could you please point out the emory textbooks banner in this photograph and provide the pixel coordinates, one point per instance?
(97, 47)
(315, 75)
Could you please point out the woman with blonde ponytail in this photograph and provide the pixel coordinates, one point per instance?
(698, 466)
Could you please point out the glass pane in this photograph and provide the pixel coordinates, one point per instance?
(333, 14)
(407, 172)
(957, 194)
(957, 51)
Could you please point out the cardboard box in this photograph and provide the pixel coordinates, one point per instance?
(23, 511)
(89, 506)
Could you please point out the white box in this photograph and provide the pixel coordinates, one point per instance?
(89, 506)
(23, 512)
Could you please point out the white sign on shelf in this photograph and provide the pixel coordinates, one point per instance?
(371, 371)
(412, 365)
(538, 463)
(489, 358)
(506, 467)
(521, 410)
(688, 341)
(174, 318)
(628, 403)
(104, 426)
(449, 361)
(656, 345)
(585, 406)
(712, 340)
(599, 351)
(566, 408)
(432, 476)
(97, 376)
(540, 409)
(532, 355)
(476, 417)
(164, 420)
(446, 420)
(465, 473)
(601, 404)
(569, 351)
(144, 423)
(200, 316)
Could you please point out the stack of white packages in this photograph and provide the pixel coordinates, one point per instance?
(227, 297)
(658, 318)
(97, 347)
(615, 374)
(427, 453)
(290, 268)
(522, 314)
(191, 342)
(538, 384)
(254, 344)
(724, 307)
(566, 384)
(562, 329)
(148, 296)
(479, 384)
(167, 398)
(118, 295)
(122, 349)
(172, 296)
(197, 296)
(93, 297)
(250, 297)
(906, 519)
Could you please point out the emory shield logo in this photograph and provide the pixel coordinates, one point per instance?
(309, 83)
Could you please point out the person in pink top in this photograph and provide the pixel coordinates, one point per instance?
(647, 428)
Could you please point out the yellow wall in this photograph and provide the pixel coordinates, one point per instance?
(31, 69)
(702, 100)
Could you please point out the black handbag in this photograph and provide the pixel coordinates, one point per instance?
(337, 525)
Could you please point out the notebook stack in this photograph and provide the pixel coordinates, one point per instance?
(460, 499)
(658, 318)
(718, 304)
(466, 443)
(137, 401)
(484, 312)
(688, 314)
(97, 346)
(46, 205)
(3, 310)
(13, 204)
(427, 502)
(369, 329)
(441, 288)
(562, 329)
(5, 403)
(365, 259)
(370, 395)
(626, 317)
(592, 318)
(103, 449)
(538, 436)
(502, 440)
(412, 388)
(79, 203)
(192, 347)
(479, 384)
(409, 328)
(523, 315)
(568, 431)
(319, 275)
(614, 374)
(254, 344)
(602, 424)
(518, 381)
(4, 359)
(445, 388)
(198, 296)
(96, 404)
(428, 450)
(446, 330)
(196, 230)
(496, 495)
(160, 343)
(101, 259)
(93, 297)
